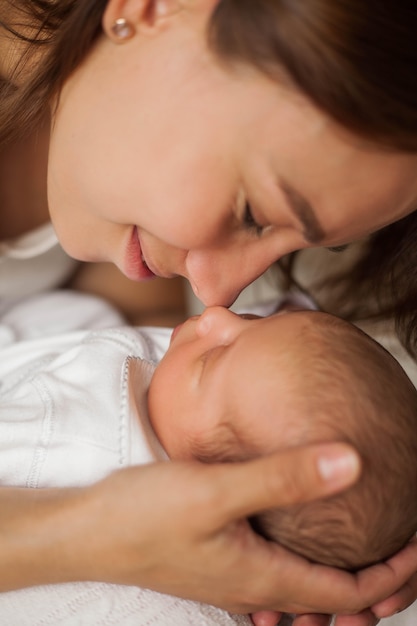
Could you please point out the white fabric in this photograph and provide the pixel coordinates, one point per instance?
(70, 406)
(99, 604)
(32, 263)
(54, 313)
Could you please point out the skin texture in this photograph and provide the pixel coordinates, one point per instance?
(155, 134)
(203, 390)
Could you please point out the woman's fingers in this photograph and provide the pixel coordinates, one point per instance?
(365, 618)
(371, 586)
(380, 582)
(312, 620)
(291, 476)
(399, 601)
(271, 618)
(266, 618)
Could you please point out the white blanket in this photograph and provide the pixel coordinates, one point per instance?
(99, 604)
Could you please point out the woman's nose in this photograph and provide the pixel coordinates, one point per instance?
(217, 277)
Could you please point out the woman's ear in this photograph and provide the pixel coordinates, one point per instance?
(123, 18)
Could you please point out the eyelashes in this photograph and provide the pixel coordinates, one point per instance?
(245, 214)
(338, 248)
(250, 222)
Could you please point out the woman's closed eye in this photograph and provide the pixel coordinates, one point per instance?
(250, 222)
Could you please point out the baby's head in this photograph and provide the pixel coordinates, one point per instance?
(231, 388)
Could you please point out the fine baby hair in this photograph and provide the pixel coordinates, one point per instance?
(351, 389)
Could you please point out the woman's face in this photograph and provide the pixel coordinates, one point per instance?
(156, 150)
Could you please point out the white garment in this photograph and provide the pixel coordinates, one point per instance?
(54, 313)
(32, 263)
(73, 409)
(100, 604)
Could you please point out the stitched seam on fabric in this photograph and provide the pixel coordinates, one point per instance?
(124, 414)
(39, 454)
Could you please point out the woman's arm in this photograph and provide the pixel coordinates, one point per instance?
(42, 533)
(169, 526)
(181, 529)
(158, 302)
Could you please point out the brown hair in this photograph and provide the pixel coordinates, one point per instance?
(355, 60)
(63, 32)
(352, 390)
(383, 282)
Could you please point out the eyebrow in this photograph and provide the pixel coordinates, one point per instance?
(228, 446)
(312, 229)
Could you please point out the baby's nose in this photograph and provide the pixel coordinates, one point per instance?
(217, 321)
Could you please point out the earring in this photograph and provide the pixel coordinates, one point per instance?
(122, 29)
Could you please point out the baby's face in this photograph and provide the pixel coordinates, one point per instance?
(222, 382)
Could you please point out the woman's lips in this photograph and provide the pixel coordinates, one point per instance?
(135, 266)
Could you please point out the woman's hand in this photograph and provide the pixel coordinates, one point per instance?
(399, 601)
(174, 527)
(181, 528)
(184, 532)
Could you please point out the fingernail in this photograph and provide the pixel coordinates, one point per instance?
(341, 468)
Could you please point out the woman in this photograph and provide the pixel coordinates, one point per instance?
(207, 139)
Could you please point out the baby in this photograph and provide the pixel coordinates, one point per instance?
(227, 389)
(230, 389)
